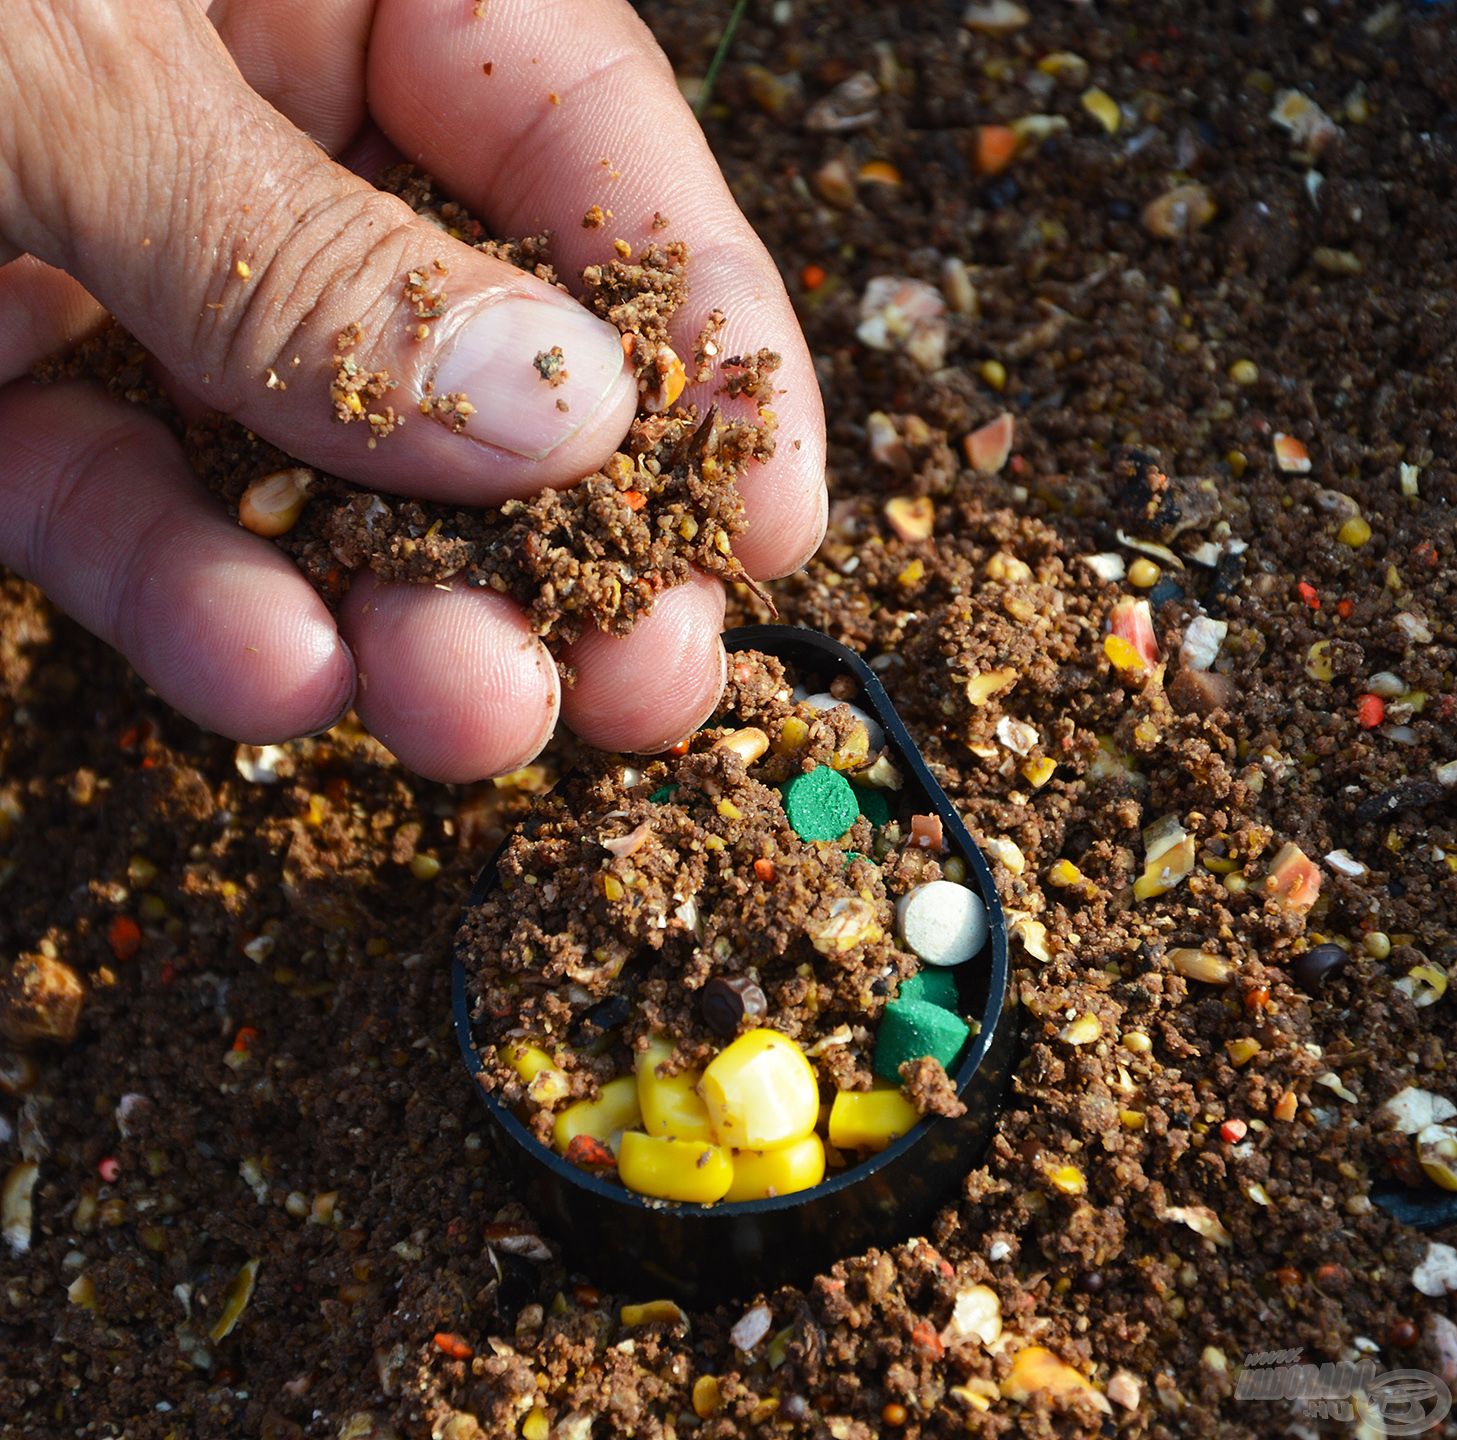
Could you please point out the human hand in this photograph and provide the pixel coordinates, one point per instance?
(148, 148)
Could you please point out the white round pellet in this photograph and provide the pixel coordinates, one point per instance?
(942, 922)
(825, 701)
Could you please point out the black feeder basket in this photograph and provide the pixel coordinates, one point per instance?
(704, 1253)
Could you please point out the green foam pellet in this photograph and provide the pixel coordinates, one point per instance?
(820, 804)
(662, 795)
(873, 804)
(910, 1029)
(933, 987)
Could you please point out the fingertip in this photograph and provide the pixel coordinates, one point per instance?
(239, 643)
(453, 682)
(642, 691)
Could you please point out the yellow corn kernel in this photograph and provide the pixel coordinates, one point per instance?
(610, 886)
(1082, 1031)
(880, 172)
(761, 1092)
(651, 1312)
(1122, 655)
(1131, 1119)
(870, 1119)
(1437, 1154)
(1069, 1179)
(1355, 532)
(792, 736)
(748, 744)
(707, 1396)
(993, 372)
(1063, 62)
(1136, 1041)
(981, 688)
(1244, 372)
(614, 1110)
(1200, 965)
(536, 1425)
(729, 810)
(271, 506)
(1144, 573)
(1103, 108)
(686, 1170)
(1038, 772)
(1242, 1050)
(913, 573)
(670, 1105)
(1285, 1107)
(761, 1174)
(1037, 1371)
(1318, 662)
(1064, 875)
(527, 1060)
(855, 750)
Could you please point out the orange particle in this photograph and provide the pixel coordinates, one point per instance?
(243, 1040)
(764, 869)
(1345, 608)
(996, 146)
(125, 937)
(635, 499)
(680, 747)
(451, 1345)
(812, 277)
(1257, 998)
(1370, 711)
(894, 1415)
(588, 1152)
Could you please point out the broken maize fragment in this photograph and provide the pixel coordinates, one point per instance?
(1294, 881)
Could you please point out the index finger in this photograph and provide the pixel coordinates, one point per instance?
(535, 112)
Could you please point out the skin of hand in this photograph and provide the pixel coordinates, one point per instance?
(155, 144)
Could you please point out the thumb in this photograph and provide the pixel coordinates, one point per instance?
(237, 252)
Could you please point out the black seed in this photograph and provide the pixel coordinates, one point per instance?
(1090, 1282)
(605, 1015)
(1165, 591)
(728, 1000)
(1000, 193)
(1311, 970)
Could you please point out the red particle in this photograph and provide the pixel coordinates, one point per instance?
(1233, 1131)
(1426, 552)
(589, 1153)
(680, 747)
(635, 499)
(243, 1040)
(124, 936)
(1403, 1335)
(1370, 711)
(764, 869)
(813, 276)
(109, 1169)
(1149, 60)
(926, 833)
(1287, 1275)
(168, 973)
(452, 1346)
(1309, 594)
(925, 1339)
(1345, 608)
